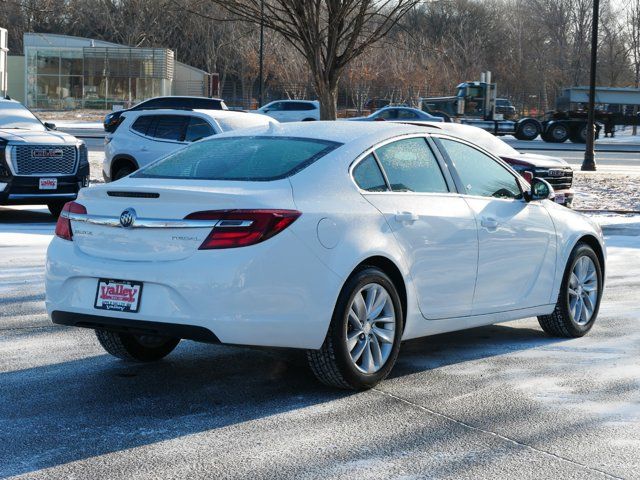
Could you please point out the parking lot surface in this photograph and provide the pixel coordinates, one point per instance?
(504, 401)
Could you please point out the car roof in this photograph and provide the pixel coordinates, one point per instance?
(337, 131)
(295, 101)
(183, 96)
(202, 111)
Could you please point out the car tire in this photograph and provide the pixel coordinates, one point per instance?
(376, 337)
(136, 348)
(55, 208)
(562, 322)
(527, 130)
(123, 172)
(579, 135)
(557, 133)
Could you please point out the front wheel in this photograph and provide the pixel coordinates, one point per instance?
(137, 348)
(363, 340)
(580, 294)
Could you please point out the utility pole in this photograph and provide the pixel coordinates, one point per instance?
(589, 162)
(261, 86)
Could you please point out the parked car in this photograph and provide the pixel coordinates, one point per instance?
(506, 108)
(145, 136)
(554, 170)
(112, 120)
(399, 113)
(38, 165)
(292, 110)
(339, 241)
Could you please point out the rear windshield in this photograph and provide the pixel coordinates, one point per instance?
(258, 158)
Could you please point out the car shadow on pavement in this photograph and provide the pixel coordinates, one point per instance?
(31, 216)
(435, 351)
(59, 413)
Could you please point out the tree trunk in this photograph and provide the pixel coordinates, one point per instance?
(328, 96)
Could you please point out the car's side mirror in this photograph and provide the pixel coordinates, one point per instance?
(50, 126)
(266, 110)
(540, 190)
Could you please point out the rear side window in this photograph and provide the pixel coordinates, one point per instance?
(205, 104)
(198, 129)
(368, 176)
(256, 158)
(411, 167)
(170, 127)
(142, 124)
(298, 106)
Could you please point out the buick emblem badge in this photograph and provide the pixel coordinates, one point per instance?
(128, 217)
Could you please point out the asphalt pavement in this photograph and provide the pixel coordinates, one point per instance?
(497, 402)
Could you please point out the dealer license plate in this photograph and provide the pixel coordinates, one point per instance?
(48, 183)
(119, 295)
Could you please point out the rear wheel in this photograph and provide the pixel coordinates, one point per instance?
(527, 130)
(55, 208)
(579, 298)
(363, 340)
(137, 348)
(557, 133)
(123, 172)
(579, 135)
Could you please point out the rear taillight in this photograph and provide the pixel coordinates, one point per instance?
(63, 227)
(240, 228)
(528, 176)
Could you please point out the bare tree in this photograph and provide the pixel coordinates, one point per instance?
(633, 36)
(328, 33)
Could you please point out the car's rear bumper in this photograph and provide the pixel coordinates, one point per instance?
(136, 327)
(277, 293)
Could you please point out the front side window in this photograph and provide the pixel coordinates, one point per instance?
(197, 129)
(255, 158)
(368, 176)
(170, 127)
(411, 166)
(405, 114)
(389, 114)
(275, 107)
(480, 174)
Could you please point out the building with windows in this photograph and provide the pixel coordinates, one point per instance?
(3, 61)
(64, 73)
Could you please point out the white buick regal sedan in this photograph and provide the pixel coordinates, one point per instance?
(339, 238)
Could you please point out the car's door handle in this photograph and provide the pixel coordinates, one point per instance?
(406, 217)
(144, 149)
(490, 223)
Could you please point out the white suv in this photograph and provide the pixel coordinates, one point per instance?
(292, 110)
(147, 135)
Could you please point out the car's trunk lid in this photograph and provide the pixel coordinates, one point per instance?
(162, 207)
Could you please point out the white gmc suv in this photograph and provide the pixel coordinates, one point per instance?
(145, 136)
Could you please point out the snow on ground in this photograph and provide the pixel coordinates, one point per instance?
(606, 191)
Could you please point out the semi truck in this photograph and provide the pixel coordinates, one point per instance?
(475, 104)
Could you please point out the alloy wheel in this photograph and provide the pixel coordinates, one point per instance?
(371, 328)
(583, 290)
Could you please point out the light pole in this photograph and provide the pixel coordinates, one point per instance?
(261, 86)
(589, 162)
